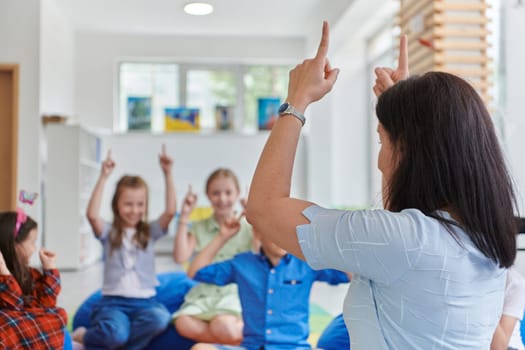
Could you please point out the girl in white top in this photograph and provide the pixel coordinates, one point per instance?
(429, 270)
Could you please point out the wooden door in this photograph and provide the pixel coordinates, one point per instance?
(8, 135)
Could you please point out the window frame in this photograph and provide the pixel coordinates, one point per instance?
(238, 69)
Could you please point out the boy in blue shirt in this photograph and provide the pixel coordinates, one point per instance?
(274, 289)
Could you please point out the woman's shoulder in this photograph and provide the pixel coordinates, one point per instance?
(406, 220)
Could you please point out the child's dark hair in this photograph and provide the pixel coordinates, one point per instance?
(8, 241)
(142, 234)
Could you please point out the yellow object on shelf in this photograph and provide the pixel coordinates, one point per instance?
(181, 119)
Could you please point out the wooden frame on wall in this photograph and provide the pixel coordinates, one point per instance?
(9, 85)
(449, 36)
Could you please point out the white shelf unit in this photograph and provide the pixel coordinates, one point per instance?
(73, 157)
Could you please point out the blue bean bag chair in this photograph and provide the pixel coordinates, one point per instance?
(171, 291)
(335, 335)
(68, 342)
(522, 329)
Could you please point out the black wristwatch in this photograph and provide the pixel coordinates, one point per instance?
(286, 108)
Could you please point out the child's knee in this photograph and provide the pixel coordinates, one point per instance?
(227, 329)
(115, 335)
(161, 315)
(156, 319)
(117, 340)
(203, 346)
(183, 326)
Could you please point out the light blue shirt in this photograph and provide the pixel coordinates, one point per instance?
(118, 262)
(414, 285)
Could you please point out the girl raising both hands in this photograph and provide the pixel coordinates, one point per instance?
(211, 313)
(127, 315)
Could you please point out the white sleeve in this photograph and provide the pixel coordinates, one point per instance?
(377, 244)
(514, 303)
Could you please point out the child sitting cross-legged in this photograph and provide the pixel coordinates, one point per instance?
(274, 289)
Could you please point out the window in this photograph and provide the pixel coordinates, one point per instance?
(262, 81)
(154, 86)
(147, 89)
(208, 88)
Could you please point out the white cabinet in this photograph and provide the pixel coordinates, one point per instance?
(71, 170)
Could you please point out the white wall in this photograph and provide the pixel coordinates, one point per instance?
(339, 135)
(97, 55)
(57, 62)
(514, 116)
(514, 28)
(20, 38)
(351, 134)
(195, 157)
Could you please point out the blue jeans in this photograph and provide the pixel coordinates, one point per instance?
(129, 323)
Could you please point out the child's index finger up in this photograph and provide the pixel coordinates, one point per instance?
(163, 149)
(239, 217)
(108, 156)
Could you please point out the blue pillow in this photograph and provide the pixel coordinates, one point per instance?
(68, 342)
(171, 291)
(335, 335)
(522, 329)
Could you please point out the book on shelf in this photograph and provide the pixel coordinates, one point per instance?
(224, 116)
(268, 111)
(139, 113)
(181, 119)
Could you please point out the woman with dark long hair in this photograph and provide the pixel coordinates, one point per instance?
(429, 269)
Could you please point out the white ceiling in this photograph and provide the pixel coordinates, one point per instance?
(275, 18)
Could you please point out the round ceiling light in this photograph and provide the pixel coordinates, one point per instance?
(198, 8)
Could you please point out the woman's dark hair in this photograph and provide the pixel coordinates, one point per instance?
(18, 269)
(448, 157)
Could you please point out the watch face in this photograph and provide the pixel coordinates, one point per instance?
(283, 107)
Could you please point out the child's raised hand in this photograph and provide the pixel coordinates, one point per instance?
(3, 267)
(165, 161)
(189, 203)
(47, 258)
(230, 227)
(244, 204)
(107, 165)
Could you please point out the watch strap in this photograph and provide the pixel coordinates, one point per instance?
(290, 110)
